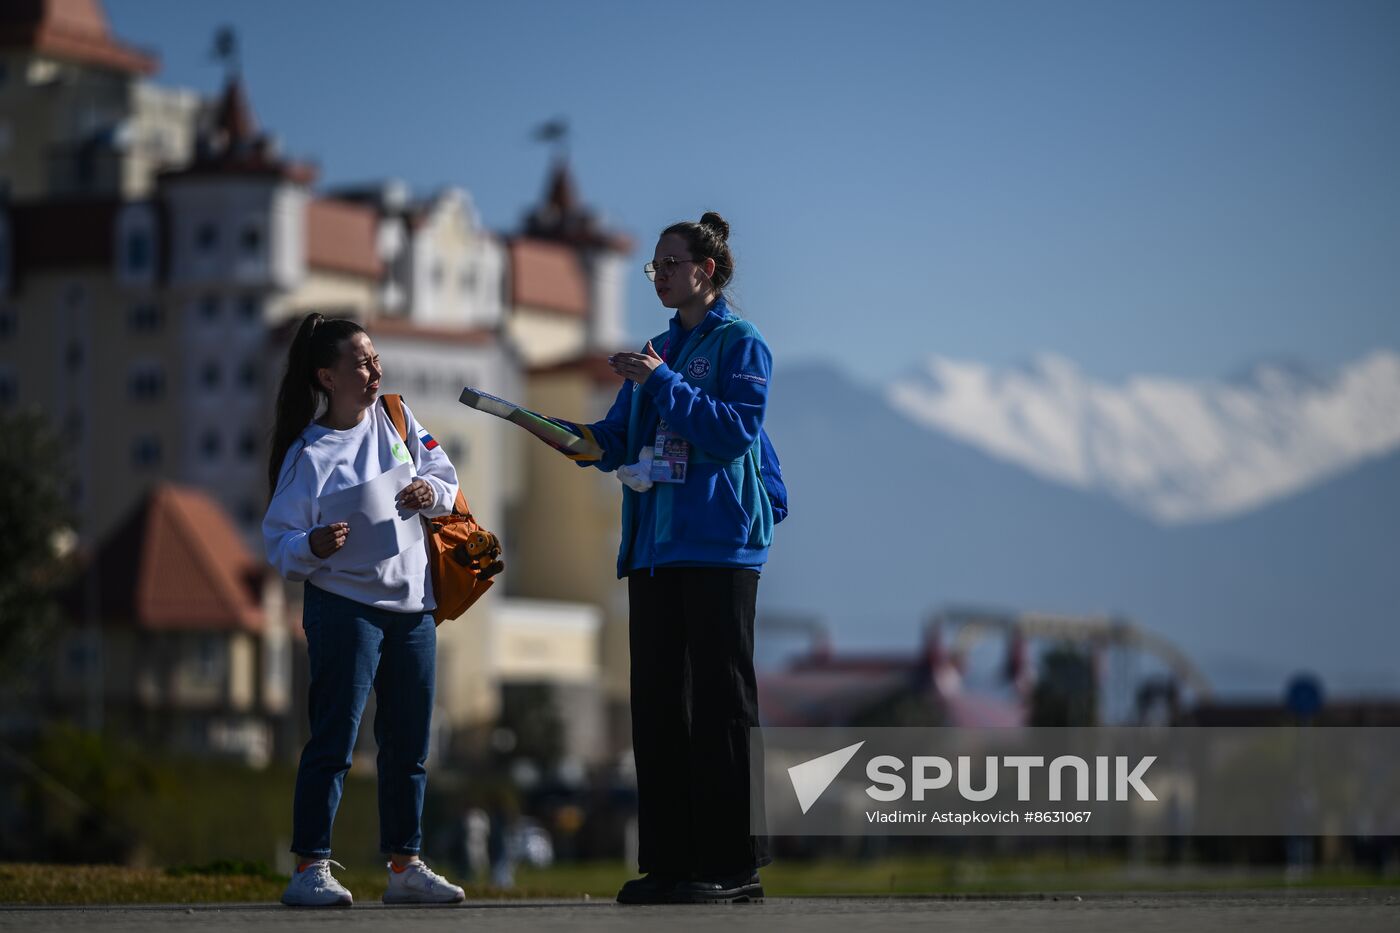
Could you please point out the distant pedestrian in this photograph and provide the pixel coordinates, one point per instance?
(365, 624)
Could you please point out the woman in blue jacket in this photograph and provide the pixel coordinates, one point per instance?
(685, 435)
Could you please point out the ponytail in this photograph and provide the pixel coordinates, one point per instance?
(315, 346)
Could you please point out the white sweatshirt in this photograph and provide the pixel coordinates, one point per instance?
(322, 461)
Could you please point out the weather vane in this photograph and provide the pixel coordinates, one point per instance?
(555, 131)
(226, 49)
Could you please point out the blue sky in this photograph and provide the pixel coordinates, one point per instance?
(1178, 188)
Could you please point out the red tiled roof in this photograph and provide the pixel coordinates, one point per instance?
(825, 699)
(548, 276)
(340, 237)
(235, 115)
(75, 30)
(593, 365)
(176, 564)
(233, 146)
(252, 160)
(562, 216)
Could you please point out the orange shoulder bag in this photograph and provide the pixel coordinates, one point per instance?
(462, 556)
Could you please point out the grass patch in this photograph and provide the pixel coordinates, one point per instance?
(950, 875)
(229, 881)
(115, 884)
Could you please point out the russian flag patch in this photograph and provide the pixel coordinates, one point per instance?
(427, 440)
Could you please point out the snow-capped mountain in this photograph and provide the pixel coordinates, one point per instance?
(1174, 450)
(893, 519)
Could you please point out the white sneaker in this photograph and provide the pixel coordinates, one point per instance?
(314, 886)
(419, 884)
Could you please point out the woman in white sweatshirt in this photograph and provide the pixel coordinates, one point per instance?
(368, 623)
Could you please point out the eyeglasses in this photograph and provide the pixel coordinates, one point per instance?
(663, 267)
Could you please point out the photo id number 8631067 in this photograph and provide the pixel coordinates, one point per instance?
(1056, 816)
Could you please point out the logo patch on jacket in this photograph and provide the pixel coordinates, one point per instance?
(699, 368)
(426, 440)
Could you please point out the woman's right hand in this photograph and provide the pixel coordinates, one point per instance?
(328, 539)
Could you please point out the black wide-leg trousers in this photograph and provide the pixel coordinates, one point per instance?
(694, 700)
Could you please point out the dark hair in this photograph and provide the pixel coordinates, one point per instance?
(316, 346)
(708, 239)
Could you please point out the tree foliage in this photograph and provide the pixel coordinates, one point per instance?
(34, 496)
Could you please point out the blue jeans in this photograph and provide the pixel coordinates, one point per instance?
(351, 646)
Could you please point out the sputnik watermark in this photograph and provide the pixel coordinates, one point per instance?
(889, 785)
(1055, 781)
(934, 772)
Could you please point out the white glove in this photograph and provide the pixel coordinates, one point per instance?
(637, 476)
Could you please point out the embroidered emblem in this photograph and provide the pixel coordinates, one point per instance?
(699, 368)
(400, 453)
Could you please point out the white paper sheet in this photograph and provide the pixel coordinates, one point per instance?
(379, 529)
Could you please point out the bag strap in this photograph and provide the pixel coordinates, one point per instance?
(393, 406)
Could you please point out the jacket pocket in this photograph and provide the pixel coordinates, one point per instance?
(708, 507)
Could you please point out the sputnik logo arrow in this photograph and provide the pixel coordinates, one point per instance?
(811, 778)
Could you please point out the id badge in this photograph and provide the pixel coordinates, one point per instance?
(670, 456)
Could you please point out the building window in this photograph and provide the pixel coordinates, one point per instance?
(209, 307)
(437, 274)
(467, 281)
(249, 308)
(145, 318)
(206, 237)
(247, 445)
(138, 252)
(209, 376)
(210, 444)
(248, 375)
(208, 658)
(145, 452)
(250, 240)
(147, 383)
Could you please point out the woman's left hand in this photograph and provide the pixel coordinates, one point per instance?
(416, 496)
(635, 366)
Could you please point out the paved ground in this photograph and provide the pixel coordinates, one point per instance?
(1339, 911)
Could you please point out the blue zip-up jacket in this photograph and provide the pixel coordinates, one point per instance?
(712, 390)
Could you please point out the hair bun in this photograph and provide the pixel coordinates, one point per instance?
(716, 223)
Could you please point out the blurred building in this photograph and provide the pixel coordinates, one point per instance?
(156, 250)
(176, 637)
(923, 687)
(571, 532)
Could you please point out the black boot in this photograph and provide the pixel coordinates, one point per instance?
(655, 888)
(740, 888)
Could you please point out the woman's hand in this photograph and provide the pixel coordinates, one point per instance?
(635, 366)
(416, 496)
(328, 539)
